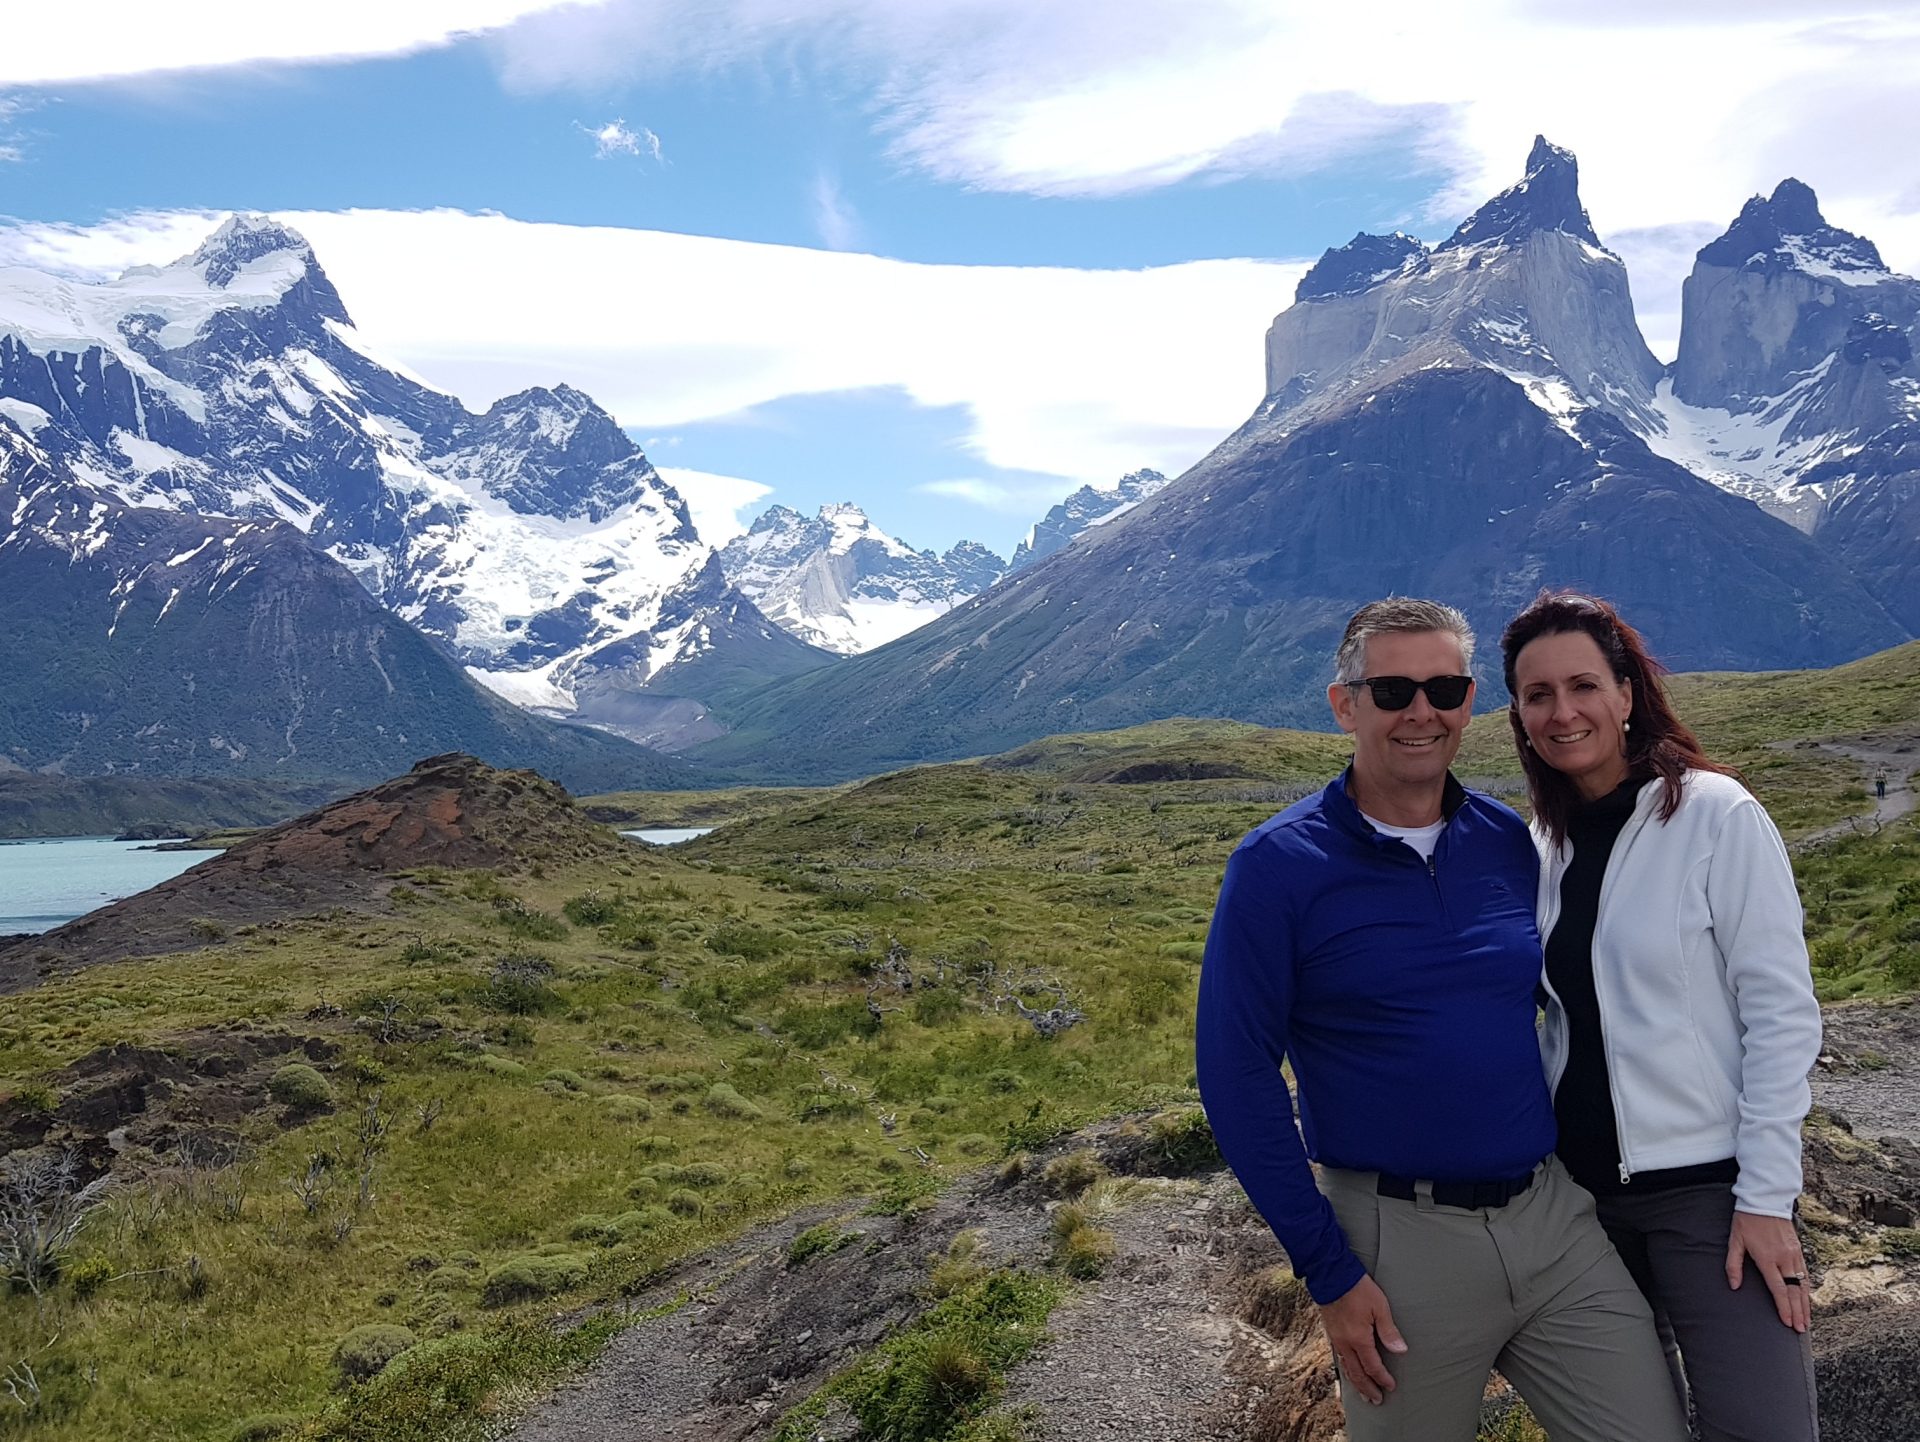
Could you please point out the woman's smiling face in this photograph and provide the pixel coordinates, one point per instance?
(1574, 709)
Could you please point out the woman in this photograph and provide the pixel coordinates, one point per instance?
(1681, 1021)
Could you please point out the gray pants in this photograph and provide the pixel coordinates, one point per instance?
(1532, 1288)
(1751, 1378)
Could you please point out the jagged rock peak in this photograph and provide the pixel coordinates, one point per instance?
(1786, 231)
(775, 517)
(1548, 198)
(242, 238)
(1360, 264)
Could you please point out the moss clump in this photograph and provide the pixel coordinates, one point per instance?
(364, 1353)
(300, 1088)
(818, 1241)
(928, 1383)
(684, 1203)
(1179, 1142)
(723, 1100)
(531, 1275)
(627, 1108)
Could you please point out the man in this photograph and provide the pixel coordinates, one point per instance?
(1380, 935)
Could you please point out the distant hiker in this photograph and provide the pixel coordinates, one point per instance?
(1379, 935)
(1880, 785)
(1681, 1019)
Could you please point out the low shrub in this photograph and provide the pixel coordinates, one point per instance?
(724, 1101)
(519, 986)
(591, 909)
(684, 1203)
(569, 1080)
(88, 1274)
(532, 1275)
(300, 1088)
(592, 1228)
(1004, 1081)
(704, 1174)
(523, 920)
(498, 1065)
(364, 1353)
(624, 1108)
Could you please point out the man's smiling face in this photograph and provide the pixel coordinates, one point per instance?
(1410, 750)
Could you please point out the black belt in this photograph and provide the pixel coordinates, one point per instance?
(1456, 1194)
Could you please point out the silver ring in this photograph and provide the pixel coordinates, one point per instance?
(1795, 1280)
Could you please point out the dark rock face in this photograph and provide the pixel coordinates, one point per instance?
(1360, 264)
(1767, 232)
(1547, 199)
(1227, 595)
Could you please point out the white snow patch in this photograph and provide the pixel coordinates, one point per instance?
(535, 690)
(24, 414)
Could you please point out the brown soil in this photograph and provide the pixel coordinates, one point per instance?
(449, 811)
(194, 1100)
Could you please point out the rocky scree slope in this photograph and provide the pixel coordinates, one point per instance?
(452, 811)
(535, 541)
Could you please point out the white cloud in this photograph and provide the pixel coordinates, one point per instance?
(107, 39)
(1678, 109)
(717, 503)
(1080, 374)
(616, 137)
(833, 216)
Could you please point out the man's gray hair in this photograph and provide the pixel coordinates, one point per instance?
(1397, 614)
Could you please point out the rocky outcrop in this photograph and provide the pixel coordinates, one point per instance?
(452, 811)
(1522, 286)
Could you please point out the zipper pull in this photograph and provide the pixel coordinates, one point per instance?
(1625, 1175)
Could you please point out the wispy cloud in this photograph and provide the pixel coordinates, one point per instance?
(616, 138)
(120, 38)
(12, 143)
(834, 217)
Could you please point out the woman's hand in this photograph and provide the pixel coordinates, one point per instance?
(1775, 1248)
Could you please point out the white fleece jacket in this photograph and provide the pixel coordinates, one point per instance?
(1706, 997)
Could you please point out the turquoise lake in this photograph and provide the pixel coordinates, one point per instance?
(48, 880)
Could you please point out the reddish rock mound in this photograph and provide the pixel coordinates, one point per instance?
(451, 810)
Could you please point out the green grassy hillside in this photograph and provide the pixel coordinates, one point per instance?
(535, 1088)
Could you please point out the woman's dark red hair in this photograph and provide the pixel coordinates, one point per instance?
(1659, 743)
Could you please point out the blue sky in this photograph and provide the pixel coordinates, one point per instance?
(1061, 228)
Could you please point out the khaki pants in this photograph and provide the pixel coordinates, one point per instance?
(1533, 1288)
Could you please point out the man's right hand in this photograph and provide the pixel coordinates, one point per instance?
(1353, 1321)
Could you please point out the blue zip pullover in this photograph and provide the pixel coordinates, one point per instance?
(1403, 994)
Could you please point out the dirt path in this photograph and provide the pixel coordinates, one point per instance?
(1156, 1348)
(1894, 755)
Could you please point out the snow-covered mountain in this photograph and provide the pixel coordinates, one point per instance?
(535, 541)
(839, 582)
(144, 639)
(1088, 506)
(1796, 386)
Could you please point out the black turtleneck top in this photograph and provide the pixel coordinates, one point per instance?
(1583, 1102)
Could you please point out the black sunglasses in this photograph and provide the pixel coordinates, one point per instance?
(1395, 693)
